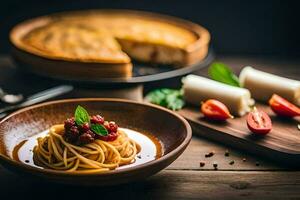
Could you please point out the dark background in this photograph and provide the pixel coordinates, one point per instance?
(237, 27)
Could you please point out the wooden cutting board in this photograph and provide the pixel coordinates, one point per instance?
(282, 144)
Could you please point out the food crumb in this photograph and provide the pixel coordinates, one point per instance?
(139, 156)
(244, 159)
(27, 161)
(215, 165)
(202, 163)
(231, 162)
(226, 152)
(210, 154)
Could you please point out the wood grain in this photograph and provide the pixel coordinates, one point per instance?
(169, 184)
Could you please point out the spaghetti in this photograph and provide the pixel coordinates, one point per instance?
(54, 152)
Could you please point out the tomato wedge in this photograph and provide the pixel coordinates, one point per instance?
(283, 107)
(215, 110)
(259, 122)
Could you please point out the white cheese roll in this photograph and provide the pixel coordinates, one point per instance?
(198, 89)
(263, 85)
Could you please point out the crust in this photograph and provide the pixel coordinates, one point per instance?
(70, 70)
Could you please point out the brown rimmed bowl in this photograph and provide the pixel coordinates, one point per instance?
(172, 130)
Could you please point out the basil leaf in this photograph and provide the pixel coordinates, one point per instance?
(81, 116)
(99, 129)
(220, 72)
(174, 103)
(169, 98)
(156, 97)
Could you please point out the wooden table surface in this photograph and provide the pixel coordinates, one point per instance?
(255, 178)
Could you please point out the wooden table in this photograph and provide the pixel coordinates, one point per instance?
(254, 178)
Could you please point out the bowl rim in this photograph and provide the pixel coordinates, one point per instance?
(163, 158)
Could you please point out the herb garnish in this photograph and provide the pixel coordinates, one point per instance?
(81, 116)
(220, 72)
(169, 98)
(99, 129)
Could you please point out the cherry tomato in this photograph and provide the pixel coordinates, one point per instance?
(259, 122)
(215, 110)
(282, 107)
(110, 137)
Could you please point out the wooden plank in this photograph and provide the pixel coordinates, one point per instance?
(281, 144)
(169, 184)
(200, 146)
(191, 156)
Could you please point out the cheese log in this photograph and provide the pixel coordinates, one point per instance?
(263, 85)
(198, 89)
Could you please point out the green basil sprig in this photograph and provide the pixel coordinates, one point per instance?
(169, 98)
(99, 129)
(220, 72)
(82, 116)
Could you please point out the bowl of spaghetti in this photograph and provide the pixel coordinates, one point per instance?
(92, 141)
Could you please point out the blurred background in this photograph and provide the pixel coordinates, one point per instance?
(255, 27)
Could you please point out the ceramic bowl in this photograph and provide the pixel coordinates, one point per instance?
(172, 130)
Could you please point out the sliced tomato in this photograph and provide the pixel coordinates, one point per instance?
(259, 122)
(215, 110)
(283, 107)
